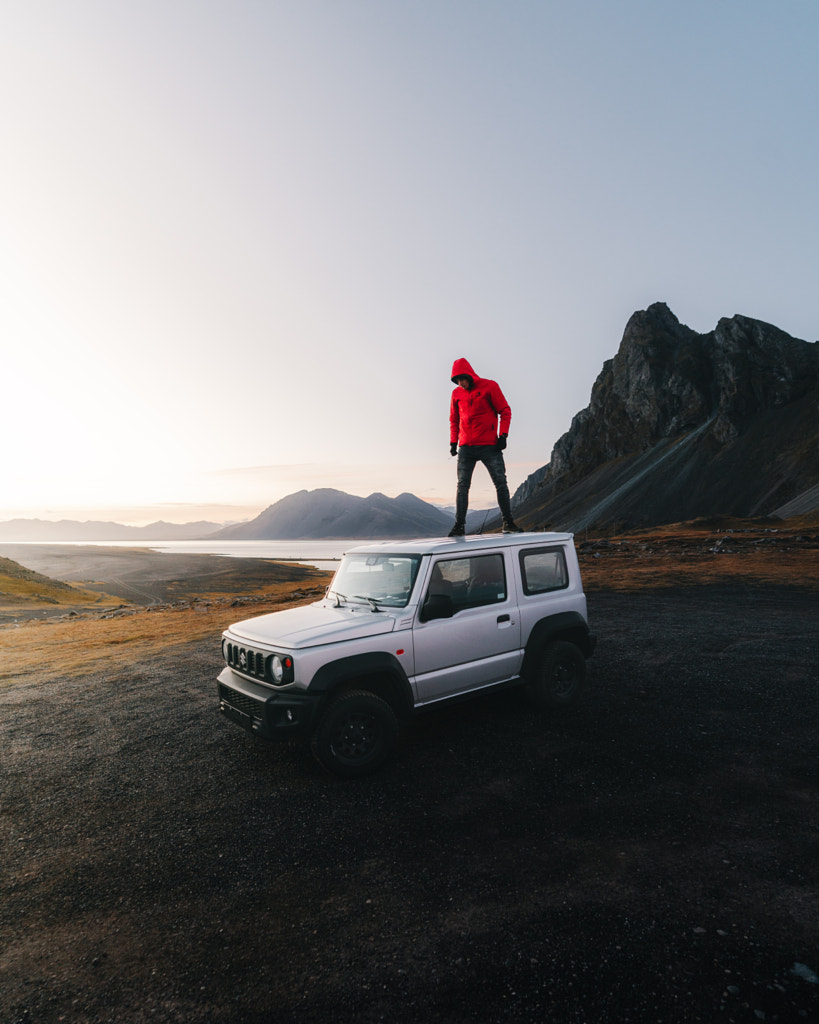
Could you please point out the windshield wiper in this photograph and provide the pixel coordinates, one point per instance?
(373, 602)
(339, 597)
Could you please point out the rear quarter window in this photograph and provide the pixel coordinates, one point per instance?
(543, 569)
(470, 582)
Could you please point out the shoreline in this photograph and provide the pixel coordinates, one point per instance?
(143, 579)
(126, 579)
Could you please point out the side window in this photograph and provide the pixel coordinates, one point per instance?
(470, 582)
(543, 569)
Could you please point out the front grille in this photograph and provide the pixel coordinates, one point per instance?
(241, 702)
(245, 660)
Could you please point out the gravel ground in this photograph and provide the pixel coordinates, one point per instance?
(653, 855)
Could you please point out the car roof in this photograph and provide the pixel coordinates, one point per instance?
(461, 545)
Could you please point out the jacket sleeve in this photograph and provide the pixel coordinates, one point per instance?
(454, 419)
(501, 407)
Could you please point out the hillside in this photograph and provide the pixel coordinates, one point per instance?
(682, 425)
(23, 589)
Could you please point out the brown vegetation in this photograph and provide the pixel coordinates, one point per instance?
(23, 590)
(705, 551)
(85, 643)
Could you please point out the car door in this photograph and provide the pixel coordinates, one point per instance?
(480, 644)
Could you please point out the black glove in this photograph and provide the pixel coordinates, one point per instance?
(500, 444)
(453, 448)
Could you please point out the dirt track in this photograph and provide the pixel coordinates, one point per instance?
(653, 856)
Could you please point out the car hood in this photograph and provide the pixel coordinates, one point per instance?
(314, 624)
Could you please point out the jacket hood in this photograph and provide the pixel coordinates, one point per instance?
(461, 368)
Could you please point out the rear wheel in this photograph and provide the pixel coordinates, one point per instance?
(558, 678)
(356, 734)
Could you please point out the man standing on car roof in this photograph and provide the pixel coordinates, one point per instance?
(476, 406)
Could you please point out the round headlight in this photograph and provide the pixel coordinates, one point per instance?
(276, 668)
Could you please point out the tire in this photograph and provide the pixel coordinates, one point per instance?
(356, 734)
(559, 675)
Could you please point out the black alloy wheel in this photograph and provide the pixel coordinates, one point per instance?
(558, 679)
(356, 734)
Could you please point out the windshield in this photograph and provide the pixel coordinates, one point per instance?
(381, 580)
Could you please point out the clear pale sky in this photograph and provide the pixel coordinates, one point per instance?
(241, 242)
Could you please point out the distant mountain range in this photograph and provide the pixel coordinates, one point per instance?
(306, 515)
(69, 529)
(682, 425)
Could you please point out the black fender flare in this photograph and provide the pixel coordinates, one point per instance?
(569, 626)
(394, 686)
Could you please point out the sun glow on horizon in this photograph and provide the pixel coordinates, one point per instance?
(257, 235)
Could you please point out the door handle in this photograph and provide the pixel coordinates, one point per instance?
(503, 618)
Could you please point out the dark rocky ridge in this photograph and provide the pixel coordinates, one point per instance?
(681, 425)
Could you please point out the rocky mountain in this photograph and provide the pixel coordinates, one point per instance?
(328, 513)
(681, 425)
(69, 529)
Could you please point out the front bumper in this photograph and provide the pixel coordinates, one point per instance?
(270, 715)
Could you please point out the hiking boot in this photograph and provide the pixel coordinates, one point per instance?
(509, 526)
(457, 530)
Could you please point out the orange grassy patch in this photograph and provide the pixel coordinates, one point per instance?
(616, 572)
(697, 554)
(70, 648)
(21, 589)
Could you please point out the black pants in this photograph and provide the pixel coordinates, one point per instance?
(468, 455)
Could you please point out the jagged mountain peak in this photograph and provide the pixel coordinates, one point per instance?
(667, 383)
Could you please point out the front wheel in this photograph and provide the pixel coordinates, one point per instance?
(558, 678)
(356, 734)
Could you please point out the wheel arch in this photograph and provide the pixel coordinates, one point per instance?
(378, 672)
(569, 626)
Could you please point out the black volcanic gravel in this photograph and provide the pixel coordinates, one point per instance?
(652, 855)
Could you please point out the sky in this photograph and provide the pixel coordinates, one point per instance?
(242, 241)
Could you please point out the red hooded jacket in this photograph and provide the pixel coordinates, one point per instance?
(473, 414)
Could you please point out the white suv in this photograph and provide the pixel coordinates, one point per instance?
(403, 626)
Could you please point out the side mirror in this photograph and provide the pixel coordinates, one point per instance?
(437, 606)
